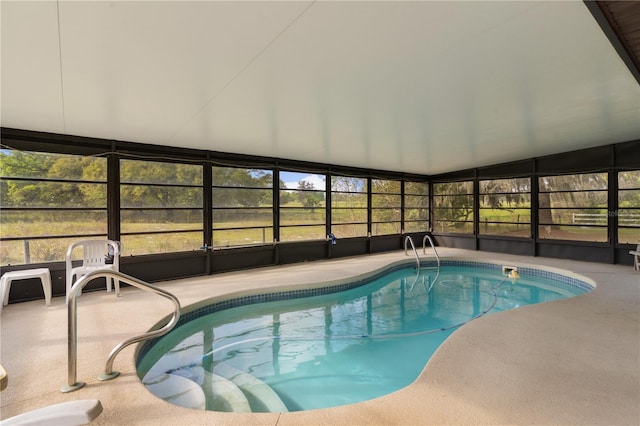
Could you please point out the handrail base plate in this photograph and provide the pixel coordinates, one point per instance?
(108, 376)
(73, 387)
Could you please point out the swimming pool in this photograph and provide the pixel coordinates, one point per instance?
(334, 345)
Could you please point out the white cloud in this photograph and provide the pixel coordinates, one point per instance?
(317, 181)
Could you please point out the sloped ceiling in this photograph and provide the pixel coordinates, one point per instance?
(420, 87)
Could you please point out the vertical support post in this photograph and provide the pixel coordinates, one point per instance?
(369, 216)
(612, 209)
(207, 214)
(327, 216)
(276, 212)
(113, 195)
(535, 213)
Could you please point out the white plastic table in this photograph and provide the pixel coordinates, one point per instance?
(8, 277)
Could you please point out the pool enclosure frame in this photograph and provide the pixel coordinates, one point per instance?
(610, 159)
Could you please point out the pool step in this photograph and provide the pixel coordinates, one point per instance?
(262, 398)
(224, 395)
(226, 389)
(175, 389)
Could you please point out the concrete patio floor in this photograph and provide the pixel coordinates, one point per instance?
(573, 361)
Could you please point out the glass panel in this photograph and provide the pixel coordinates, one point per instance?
(25, 223)
(629, 198)
(453, 227)
(137, 171)
(576, 233)
(505, 201)
(348, 184)
(239, 177)
(386, 200)
(160, 220)
(37, 251)
(301, 233)
(628, 235)
(302, 199)
(233, 197)
(348, 215)
(453, 188)
(420, 226)
(41, 165)
(453, 214)
(53, 194)
(159, 196)
(383, 215)
(161, 243)
(629, 217)
(302, 216)
(416, 214)
(229, 237)
(587, 181)
(629, 180)
(156, 172)
(417, 188)
(512, 230)
(385, 228)
(515, 185)
(462, 202)
(339, 199)
(582, 217)
(236, 218)
(574, 199)
(505, 215)
(351, 230)
(295, 180)
(415, 201)
(385, 186)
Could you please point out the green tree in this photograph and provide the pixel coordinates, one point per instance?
(307, 195)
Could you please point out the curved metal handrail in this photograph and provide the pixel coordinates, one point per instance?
(413, 246)
(433, 246)
(72, 383)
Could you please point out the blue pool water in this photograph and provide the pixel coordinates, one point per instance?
(332, 349)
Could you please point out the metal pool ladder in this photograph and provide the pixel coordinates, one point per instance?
(407, 240)
(433, 246)
(72, 383)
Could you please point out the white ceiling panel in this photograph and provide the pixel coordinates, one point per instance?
(421, 87)
(31, 84)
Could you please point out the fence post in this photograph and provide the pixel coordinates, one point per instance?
(27, 252)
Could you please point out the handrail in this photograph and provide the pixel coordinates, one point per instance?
(72, 343)
(409, 239)
(433, 246)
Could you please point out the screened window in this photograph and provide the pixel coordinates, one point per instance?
(161, 207)
(573, 207)
(416, 206)
(302, 206)
(386, 207)
(505, 207)
(629, 207)
(49, 201)
(242, 206)
(453, 207)
(348, 206)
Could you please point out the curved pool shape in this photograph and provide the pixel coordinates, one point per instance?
(335, 345)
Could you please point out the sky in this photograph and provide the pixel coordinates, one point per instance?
(291, 179)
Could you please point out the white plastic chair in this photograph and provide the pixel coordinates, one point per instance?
(636, 258)
(93, 259)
